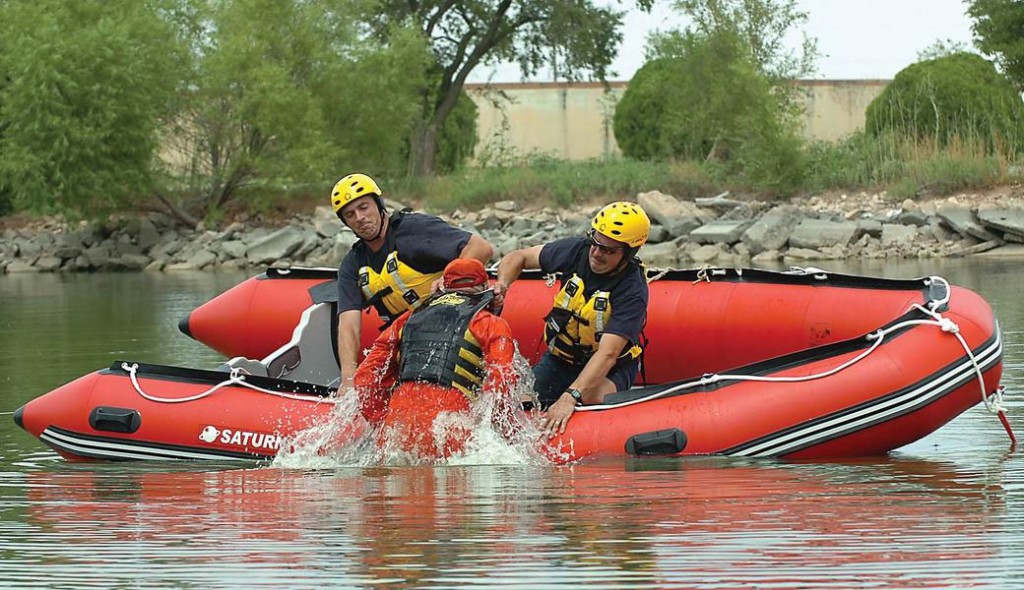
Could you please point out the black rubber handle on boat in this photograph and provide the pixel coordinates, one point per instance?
(657, 442)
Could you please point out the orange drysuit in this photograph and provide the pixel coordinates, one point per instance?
(406, 411)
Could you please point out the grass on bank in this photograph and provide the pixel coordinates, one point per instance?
(902, 167)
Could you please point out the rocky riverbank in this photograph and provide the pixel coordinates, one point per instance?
(716, 231)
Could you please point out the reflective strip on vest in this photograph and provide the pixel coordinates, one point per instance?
(577, 338)
(408, 286)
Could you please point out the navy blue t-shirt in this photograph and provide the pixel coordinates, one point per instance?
(424, 242)
(628, 296)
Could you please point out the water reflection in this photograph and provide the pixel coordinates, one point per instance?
(947, 511)
(639, 523)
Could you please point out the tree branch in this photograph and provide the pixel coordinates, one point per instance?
(177, 212)
(435, 18)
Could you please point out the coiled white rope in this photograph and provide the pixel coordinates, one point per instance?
(235, 377)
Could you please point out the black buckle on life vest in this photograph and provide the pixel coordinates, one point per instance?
(411, 297)
(571, 289)
(392, 264)
(600, 304)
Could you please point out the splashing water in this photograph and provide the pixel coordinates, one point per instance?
(496, 431)
(344, 440)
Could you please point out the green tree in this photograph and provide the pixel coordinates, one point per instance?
(721, 90)
(578, 37)
(764, 26)
(959, 95)
(458, 137)
(85, 86)
(285, 92)
(999, 32)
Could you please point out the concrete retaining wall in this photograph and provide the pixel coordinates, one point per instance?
(574, 121)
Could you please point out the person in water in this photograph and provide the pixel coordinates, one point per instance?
(444, 356)
(593, 329)
(395, 263)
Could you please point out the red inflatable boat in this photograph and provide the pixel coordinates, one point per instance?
(802, 364)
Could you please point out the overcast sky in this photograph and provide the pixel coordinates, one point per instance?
(857, 39)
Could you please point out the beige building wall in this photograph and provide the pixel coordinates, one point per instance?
(574, 121)
(835, 108)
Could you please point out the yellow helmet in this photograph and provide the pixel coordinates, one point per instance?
(623, 221)
(351, 188)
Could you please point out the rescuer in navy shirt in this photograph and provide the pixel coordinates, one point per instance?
(394, 265)
(593, 329)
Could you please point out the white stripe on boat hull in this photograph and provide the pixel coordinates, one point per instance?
(819, 432)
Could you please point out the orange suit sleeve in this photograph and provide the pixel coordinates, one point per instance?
(495, 338)
(377, 374)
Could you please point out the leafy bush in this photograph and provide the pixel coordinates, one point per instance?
(959, 95)
(639, 117)
(85, 87)
(707, 99)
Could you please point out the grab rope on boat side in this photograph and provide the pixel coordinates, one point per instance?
(236, 377)
(993, 403)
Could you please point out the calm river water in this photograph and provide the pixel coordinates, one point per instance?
(946, 512)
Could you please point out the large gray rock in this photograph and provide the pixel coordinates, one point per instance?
(233, 249)
(148, 235)
(720, 231)
(1003, 219)
(771, 231)
(721, 202)
(276, 246)
(766, 257)
(679, 218)
(523, 225)
(198, 261)
(962, 220)
(708, 253)
(27, 249)
(48, 263)
(128, 262)
(168, 248)
(814, 234)
(797, 254)
(916, 218)
(657, 234)
(940, 232)
(67, 251)
(341, 245)
(90, 233)
(97, 256)
(664, 255)
(869, 226)
(20, 266)
(899, 236)
(326, 222)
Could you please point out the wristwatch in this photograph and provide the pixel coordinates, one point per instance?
(576, 395)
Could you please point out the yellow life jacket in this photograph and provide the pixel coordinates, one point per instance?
(397, 288)
(437, 345)
(575, 324)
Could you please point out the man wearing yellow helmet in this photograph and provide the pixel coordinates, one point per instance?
(393, 265)
(593, 329)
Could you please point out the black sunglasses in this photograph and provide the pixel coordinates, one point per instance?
(606, 250)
